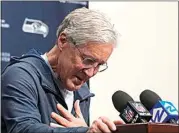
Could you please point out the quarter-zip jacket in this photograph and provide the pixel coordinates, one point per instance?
(30, 95)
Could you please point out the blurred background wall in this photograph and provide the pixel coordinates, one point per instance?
(146, 56)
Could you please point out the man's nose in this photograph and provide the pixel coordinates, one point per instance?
(90, 71)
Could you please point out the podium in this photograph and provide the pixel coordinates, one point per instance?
(147, 128)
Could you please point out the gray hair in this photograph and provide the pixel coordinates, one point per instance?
(84, 25)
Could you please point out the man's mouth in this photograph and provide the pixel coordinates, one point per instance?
(79, 78)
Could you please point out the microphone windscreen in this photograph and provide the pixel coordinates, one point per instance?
(149, 98)
(120, 99)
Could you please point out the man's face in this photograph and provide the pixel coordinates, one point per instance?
(73, 63)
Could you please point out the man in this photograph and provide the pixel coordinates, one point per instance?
(39, 90)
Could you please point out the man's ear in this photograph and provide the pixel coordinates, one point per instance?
(62, 41)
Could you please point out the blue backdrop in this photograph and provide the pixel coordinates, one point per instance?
(31, 24)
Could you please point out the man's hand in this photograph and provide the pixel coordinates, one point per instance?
(68, 120)
(103, 125)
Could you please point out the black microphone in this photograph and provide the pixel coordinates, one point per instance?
(162, 111)
(130, 111)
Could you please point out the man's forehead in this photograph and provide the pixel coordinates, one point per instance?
(98, 51)
(95, 46)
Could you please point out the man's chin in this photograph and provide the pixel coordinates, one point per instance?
(74, 84)
(74, 87)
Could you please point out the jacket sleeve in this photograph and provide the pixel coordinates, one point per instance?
(19, 105)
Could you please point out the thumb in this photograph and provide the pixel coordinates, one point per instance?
(77, 109)
(55, 125)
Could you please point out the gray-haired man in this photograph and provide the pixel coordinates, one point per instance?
(48, 92)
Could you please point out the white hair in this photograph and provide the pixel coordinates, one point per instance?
(85, 25)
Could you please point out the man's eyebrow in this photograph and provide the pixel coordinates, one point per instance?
(97, 60)
(89, 56)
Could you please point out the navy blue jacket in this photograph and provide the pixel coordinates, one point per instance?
(29, 95)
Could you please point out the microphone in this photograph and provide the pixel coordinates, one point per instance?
(130, 111)
(162, 111)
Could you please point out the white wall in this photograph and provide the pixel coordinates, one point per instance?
(146, 57)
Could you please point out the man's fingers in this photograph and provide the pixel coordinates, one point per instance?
(118, 122)
(109, 123)
(77, 109)
(102, 126)
(59, 119)
(55, 125)
(65, 112)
